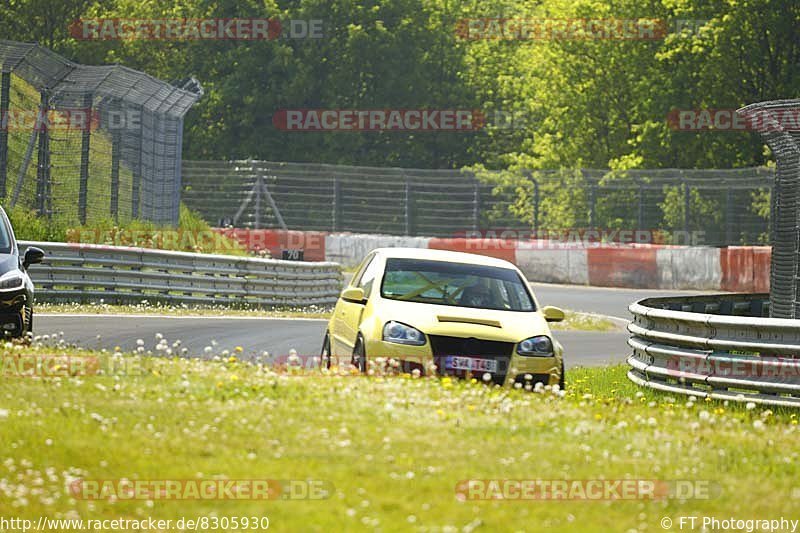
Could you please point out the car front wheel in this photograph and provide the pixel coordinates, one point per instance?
(325, 354)
(360, 355)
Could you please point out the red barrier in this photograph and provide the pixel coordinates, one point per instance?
(745, 268)
(276, 241)
(737, 268)
(623, 267)
(499, 248)
(762, 257)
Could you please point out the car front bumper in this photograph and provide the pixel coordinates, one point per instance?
(512, 368)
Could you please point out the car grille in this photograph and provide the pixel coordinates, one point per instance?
(443, 346)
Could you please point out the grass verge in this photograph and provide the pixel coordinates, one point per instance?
(390, 450)
(574, 321)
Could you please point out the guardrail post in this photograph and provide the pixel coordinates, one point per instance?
(5, 92)
(43, 159)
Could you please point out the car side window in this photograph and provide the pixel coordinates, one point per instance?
(355, 282)
(368, 277)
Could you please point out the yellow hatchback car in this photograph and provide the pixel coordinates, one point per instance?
(469, 315)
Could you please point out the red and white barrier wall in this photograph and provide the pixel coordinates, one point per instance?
(735, 268)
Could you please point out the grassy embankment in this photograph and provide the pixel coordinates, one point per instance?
(392, 448)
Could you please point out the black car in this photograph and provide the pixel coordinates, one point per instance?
(16, 287)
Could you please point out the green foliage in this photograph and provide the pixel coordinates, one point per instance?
(193, 234)
(587, 103)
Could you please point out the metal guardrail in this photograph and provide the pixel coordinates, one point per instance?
(89, 273)
(717, 346)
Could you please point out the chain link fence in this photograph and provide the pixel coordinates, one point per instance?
(85, 143)
(711, 207)
(784, 141)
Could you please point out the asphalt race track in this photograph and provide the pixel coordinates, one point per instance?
(278, 336)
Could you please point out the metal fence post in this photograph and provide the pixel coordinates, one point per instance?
(592, 201)
(337, 201)
(83, 187)
(407, 209)
(43, 159)
(116, 140)
(728, 216)
(640, 211)
(259, 186)
(535, 206)
(476, 205)
(687, 199)
(5, 96)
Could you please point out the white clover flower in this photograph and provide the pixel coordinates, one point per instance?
(750, 406)
(487, 377)
(139, 342)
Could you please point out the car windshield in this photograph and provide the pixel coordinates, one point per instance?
(456, 284)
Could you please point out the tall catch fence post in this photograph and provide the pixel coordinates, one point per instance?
(784, 141)
(107, 139)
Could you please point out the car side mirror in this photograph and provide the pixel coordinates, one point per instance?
(552, 314)
(353, 294)
(32, 256)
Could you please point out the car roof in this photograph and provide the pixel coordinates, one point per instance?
(443, 255)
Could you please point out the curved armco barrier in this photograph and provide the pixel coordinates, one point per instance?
(717, 346)
(116, 274)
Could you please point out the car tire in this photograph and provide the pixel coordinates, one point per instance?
(325, 353)
(561, 380)
(360, 355)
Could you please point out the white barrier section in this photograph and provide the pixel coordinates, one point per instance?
(689, 268)
(349, 249)
(552, 265)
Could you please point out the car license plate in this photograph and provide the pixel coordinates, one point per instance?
(471, 363)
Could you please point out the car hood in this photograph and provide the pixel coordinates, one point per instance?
(8, 262)
(431, 319)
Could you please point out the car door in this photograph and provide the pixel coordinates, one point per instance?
(339, 338)
(351, 312)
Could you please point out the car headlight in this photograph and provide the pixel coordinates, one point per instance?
(402, 334)
(11, 280)
(540, 346)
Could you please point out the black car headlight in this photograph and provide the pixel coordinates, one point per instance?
(402, 334)
(11, 281)
(540, 346)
